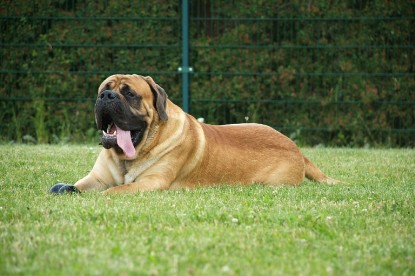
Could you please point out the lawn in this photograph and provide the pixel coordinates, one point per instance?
(363, 226)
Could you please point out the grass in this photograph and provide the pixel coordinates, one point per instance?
(363, 227)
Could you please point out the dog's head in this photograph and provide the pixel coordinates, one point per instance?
(126, 106)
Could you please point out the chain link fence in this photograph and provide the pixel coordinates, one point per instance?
(338, 73)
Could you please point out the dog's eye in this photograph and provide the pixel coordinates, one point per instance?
(129, 94)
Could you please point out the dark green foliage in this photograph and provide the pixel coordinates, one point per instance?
(331, 73)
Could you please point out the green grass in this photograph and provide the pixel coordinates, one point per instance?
(363, 227)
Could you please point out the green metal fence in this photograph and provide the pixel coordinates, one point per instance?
(338, 73)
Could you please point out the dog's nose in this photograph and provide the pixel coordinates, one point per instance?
(108, 95)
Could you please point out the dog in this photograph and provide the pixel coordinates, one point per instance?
(152, 144)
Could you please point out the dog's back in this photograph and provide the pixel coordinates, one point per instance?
(247, 153)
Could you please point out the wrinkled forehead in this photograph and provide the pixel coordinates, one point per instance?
(117, 82)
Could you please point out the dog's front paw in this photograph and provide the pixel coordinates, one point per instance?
(61, 188)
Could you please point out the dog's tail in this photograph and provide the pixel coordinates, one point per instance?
(315, 174)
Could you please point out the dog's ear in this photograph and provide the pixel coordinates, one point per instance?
(160, 98)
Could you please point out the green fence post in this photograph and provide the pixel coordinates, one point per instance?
(185, 69)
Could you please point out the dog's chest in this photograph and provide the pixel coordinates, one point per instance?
(133, 170)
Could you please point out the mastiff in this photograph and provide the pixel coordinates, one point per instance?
(152, 144)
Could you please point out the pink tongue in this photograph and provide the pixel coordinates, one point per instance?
(124, 142)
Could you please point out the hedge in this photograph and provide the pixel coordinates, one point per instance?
(323, 73)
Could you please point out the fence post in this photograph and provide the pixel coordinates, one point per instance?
(185, 69)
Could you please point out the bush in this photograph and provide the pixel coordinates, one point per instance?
(321, 73)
